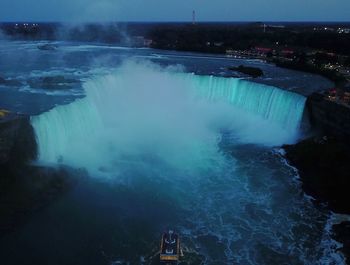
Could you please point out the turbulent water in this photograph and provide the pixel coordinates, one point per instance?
(141, 109)
(162, 147)
(200, 149)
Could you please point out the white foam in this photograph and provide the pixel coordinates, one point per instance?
(142, 107)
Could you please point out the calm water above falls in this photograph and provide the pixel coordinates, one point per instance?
(165, 148)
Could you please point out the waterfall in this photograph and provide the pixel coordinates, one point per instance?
(273, 104)
(142, 111)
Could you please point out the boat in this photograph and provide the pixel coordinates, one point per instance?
(170, 248)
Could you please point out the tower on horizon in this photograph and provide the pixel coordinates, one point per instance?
(194, 17)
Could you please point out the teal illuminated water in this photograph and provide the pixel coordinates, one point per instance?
(160, 147)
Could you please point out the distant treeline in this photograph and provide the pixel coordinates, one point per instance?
(202, 37)
(332, 75)
(218, 38)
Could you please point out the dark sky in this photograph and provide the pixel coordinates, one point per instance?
(174, 10)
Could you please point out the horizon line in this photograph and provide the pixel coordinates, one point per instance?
(176, 21)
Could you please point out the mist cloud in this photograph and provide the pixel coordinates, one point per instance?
(143, 113)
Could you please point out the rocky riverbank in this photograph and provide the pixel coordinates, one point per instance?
(324, 168)
(324, 161)
(329, 116)
(24, 188)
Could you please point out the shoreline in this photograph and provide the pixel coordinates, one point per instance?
(24, 188)
(316, 161)
(338, 224)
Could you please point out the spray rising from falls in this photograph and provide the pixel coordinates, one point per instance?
(143, 112)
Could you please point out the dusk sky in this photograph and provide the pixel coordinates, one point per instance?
(174, 10)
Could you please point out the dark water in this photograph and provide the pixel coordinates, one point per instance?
(152, 159)
(250, 211)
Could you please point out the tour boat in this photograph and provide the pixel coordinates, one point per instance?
(170, 248)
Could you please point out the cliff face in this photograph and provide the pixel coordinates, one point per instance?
(324, 163)
(332, 118)
(17, 141)
(24, 188)
(324, 168)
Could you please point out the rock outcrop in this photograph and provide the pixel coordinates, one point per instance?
(24, 188)
(54, 83)
(324, 169)
(248, 70)
(47, 47)
(332, 118)
(9, 82)
(341, 232)
(324, 161)
(17, 140)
